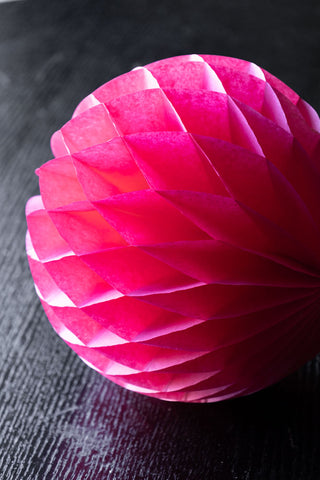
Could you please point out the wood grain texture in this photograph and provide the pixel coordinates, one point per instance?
(58, 418)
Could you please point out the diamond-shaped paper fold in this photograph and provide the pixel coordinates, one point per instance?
(175, 244)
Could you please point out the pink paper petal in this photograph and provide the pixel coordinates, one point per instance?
(211, 301)
(91, 127)
(219, 333)
(309, 114)
(46, 241)
(137, 80)
(84, 229)
(148, 110)
(86, 329)
(145, 217)
(292, 96)
(213, 261)
(108, 169)
(225, 219)
(202, 112)
(80, 283)
(190, 169)
(256, 183)
(298, 126)
(247, 88)
(59, 184)
(236, 64)
(144, 321)
(131, 271)
(192, 75)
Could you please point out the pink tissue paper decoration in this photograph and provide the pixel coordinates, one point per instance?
(175, 245)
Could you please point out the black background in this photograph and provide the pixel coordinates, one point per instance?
(58, 418)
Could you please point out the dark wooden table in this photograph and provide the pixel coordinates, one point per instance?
(58, 418)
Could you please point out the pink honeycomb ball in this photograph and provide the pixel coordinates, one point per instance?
(175, 243)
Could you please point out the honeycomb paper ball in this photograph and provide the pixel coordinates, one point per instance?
(175, 244)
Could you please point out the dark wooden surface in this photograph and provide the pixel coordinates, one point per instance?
(58, 418)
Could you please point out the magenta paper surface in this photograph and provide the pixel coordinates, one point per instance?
(175, 244)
